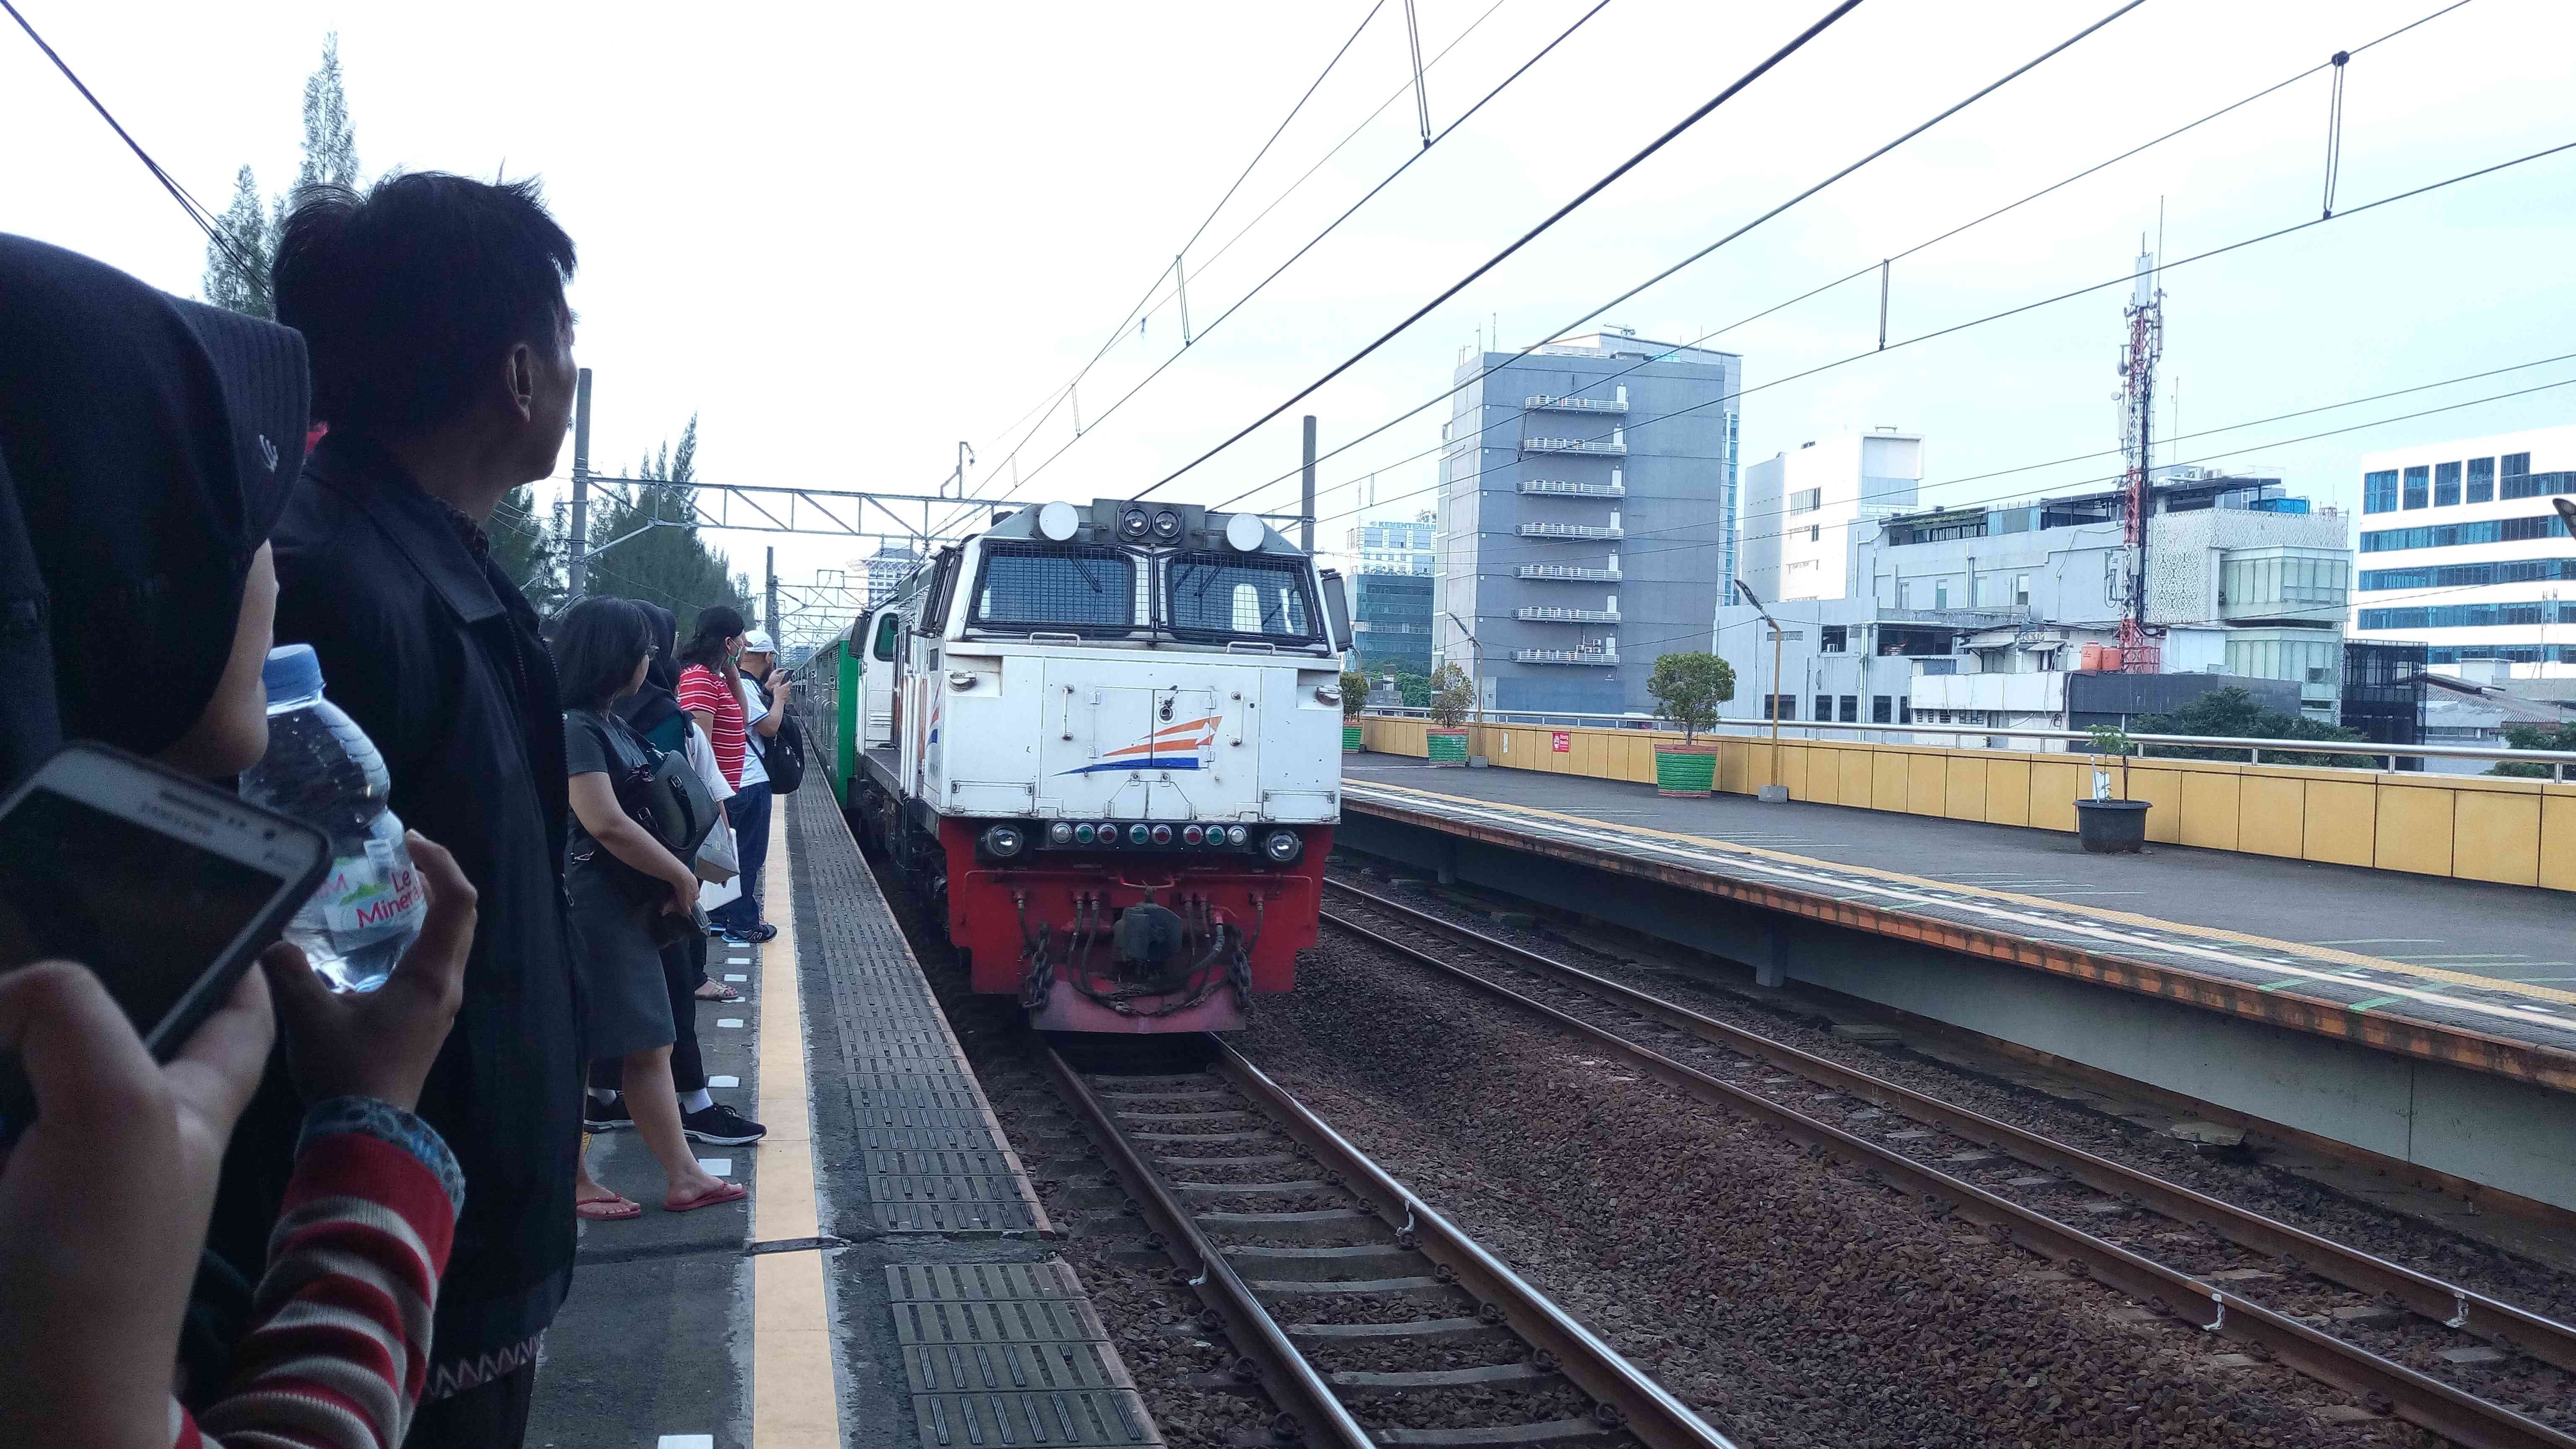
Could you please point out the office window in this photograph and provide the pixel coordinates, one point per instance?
(2482, 480)
(1815, 533)
(1904, 709)
(1779, 706)
(1940, 593)
(1882, 708)
(2021, 588)
(1905, 593)
(2419, 486)
(2446, 484)
(1824, 708)
(2516, 464)
(1849, 709)
(1806, 500)
(2379, 492)
(1833, 639)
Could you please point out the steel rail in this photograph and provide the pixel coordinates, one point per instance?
(1292, 1381)
(1646, 1408)
(2384, 1384)
(2455, 1307)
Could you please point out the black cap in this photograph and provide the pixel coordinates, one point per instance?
(149, 444)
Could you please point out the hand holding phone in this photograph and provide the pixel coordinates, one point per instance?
(104, 1200)
(381, 1043)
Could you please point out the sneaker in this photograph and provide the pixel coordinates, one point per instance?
(608, 1116)
(722, 1126)
(751, 935)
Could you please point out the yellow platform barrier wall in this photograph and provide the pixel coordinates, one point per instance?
(2469, 827)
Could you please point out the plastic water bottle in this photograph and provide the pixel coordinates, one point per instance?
(323, 770)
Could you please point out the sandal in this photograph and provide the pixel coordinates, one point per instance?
(717, 991)
(610, 1209)
(725, 1192)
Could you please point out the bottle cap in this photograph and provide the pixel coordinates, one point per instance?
(292, 672)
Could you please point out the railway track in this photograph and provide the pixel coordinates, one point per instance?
(1368, 1317)
(2183, 1255)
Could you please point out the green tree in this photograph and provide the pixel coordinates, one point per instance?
(528, 549)
(1452, 695)
(1413, 689)
(654, 550)
(2533, 737)
(1690, 686)
(1355, 687)
(237, 267)
(2232, 713)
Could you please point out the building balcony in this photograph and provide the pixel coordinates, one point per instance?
(1572, 530)
(1570, 573)
(1567, 488)
(1601, 658)
(1540, 615)
(1612, 446)
(1546, 402)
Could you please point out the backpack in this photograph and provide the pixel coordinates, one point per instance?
(783, 756)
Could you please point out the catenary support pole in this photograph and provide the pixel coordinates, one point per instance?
(773, 593)
(1306, 492)
(577, 558)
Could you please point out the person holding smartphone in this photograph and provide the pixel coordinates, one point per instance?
(619, 878)
(145, 445)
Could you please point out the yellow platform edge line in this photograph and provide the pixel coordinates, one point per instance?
(2101, 913)
(794, 1402)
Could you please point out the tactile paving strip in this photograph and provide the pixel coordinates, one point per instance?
(936, 1158)
(1011, 1356)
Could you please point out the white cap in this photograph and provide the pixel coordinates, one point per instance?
(758, 642)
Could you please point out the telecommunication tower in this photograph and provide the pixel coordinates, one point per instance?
(2146, 343)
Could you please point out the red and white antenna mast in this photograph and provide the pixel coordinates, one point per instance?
(2146, 343)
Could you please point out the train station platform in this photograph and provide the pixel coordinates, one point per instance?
(2426, 1019)
(891, 1279)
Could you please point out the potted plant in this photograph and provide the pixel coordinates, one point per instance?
(1354, 699)
(1452, 695)
(1688, 687)
(2106, 825)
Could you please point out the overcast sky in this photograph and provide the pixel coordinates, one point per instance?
(849, 237)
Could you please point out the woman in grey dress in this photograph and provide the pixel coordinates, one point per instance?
(618, 878)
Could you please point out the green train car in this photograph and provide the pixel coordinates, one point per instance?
(833, 685)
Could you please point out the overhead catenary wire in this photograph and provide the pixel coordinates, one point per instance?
(2124, 279)
(188, 203)
(1851, 276)
(1463, 118)
(1733, 89)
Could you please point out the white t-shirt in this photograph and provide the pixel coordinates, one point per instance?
(755, 708)
(702, 758)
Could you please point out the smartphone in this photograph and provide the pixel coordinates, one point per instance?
(165, 887)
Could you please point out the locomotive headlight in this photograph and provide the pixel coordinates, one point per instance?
(1236, 835)
(1004, 840)
(1167, 525)
(961, 679)
(1060, 833)
(1282, 846)
(1134, 524)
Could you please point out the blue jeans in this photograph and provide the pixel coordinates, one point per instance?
(748, 810)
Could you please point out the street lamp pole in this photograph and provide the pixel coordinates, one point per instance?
(1771, 701)
(1476, 650)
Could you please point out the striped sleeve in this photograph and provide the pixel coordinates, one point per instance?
(339, 1338)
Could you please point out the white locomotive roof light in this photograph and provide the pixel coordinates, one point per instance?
(1059, 521)
(1244, 533)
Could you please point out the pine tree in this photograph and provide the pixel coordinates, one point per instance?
(237, 265)
(659, 556)
(330, 159)
(528, 550)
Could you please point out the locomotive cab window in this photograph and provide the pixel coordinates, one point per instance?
(888, 628)
(1074, 589)
(1221, 596)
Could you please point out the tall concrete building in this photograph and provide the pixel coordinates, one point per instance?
(2462, 550)
(1797, 528)
(1588, 497)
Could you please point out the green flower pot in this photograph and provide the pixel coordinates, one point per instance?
(1351, 739)
(1685, 769)
(1447, 747)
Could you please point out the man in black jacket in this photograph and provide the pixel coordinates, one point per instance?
(434, 313)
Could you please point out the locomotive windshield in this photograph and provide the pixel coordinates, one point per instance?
(1238, 596)
(1068, 588)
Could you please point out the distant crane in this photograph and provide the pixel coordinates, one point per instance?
(2146, 343)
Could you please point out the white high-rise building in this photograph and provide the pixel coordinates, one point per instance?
(1796, 527)
(2462, 550)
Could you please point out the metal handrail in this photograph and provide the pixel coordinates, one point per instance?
(2559, 760)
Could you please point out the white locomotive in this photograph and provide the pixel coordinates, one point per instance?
(1105, 743)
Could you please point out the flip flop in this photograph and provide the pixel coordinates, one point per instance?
(717, 991)
(725, 1192)
(610, 1209)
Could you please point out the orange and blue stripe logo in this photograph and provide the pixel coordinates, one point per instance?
(1173, 747)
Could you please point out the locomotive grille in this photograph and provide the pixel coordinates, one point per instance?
(1076, 588)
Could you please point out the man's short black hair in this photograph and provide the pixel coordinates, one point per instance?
(597, 642)
(409, 295)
